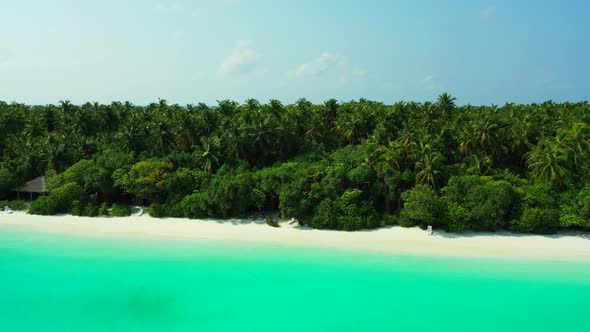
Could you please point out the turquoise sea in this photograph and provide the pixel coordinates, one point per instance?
(61, 283)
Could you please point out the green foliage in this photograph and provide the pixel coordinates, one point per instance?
(184, 182)
(390, 220)
(60, 200)
(539, 210)
(231, 195)
(271, 222)
(331, 165)
(103, 210)
(45, 205)
(14, 205)
(121, 210)
(91, 210)
(325, 216)
(7, 182)
(422, 207)
(195, 206)
(146, 180)
(478, 203)
(157, 210)
(458, 218)
(537, 220)
(583, 203)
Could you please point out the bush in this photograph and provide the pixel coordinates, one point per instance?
(7, 182)
(66, 195)
(422, 207)
(195, 206)
(45, 205)
(271, 222)
(230, 195)
(458, 218)
(121, 210)
(478, 203)
(14, 205)
(103, 210)
(537, 220)
(60, 200)
(583, 202)
(354, 212)
(90, 211)
(324, 216)
(77, 209)
(349, 212)
(157, 210)
(572, 221)
(390, 220)
(146, 180)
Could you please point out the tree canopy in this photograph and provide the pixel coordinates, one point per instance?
(337, 165)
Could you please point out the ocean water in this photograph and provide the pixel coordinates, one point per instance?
(61, 283)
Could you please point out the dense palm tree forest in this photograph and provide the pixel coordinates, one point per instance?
(353, 165)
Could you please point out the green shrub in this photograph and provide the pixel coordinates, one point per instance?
(90, 210)
(478, 203)
(271, 222)
(68, 198)
(121, 210)
(422, 207)
(572, 221)
(583, 202)
(76, 209)
(458, 218)
(45, 205)
(7, 182)
(18, 205)
(325, 216)
(103, 210)
(195, 206)
(537, 220)
(390, 220)
(157, 210)
(14, 205)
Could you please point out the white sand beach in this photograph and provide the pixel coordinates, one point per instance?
(395, 240)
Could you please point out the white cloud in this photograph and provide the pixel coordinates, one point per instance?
(488, 12)
(332, 65)
(241, 61)
(430, 83)
(317, 66)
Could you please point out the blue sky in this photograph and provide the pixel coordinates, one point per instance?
(483, 52)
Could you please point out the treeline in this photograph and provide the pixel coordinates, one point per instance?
(353, 165)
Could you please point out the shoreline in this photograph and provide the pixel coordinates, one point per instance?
(388, 240)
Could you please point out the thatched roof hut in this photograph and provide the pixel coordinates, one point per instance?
(35, 186)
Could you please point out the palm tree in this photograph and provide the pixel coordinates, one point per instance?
(185, 131)
(428, 170)
(480, 165)
(428, 164)
(547, 161)
(483, 135)
(446, 103)
(209, 153)
(160, 137)
(578, 139)
(392, 154)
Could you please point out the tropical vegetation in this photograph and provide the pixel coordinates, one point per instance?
(336, 165)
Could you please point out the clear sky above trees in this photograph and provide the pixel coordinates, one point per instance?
(188, 51)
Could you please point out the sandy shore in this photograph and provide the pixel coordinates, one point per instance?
(394, 240)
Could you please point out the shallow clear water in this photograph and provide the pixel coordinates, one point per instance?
(59, 283)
